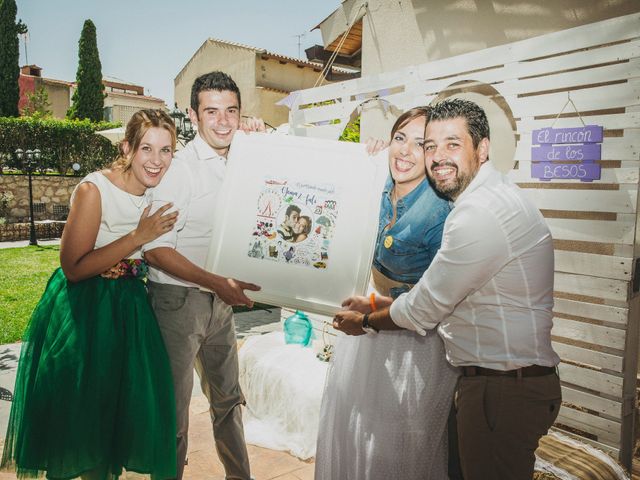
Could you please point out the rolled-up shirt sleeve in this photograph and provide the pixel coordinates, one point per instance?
(474, 248)
(175, 187)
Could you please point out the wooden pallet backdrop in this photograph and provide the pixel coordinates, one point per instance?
(594, 225)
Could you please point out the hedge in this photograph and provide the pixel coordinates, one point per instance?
(61, 142)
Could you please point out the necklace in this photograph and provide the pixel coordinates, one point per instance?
(138, 201)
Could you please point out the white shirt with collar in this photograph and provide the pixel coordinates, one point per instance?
(192, 183)
(489, 288)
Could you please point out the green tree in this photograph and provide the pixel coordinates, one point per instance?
(88, 98)
(9, 58)
(351, 133)
(38, 104)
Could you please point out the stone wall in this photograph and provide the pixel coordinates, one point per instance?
(51, 196)
(12, 232)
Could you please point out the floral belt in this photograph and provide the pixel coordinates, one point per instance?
(127, 268)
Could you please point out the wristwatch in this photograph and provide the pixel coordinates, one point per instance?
(366, 326)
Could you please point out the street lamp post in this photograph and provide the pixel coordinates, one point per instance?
(184, 128)
(31, 158)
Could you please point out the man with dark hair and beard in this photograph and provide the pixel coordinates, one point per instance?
(489, 291)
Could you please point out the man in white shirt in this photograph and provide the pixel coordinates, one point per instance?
(489, 290)
(197, 326)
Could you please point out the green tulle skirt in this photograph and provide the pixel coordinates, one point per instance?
(93, 389)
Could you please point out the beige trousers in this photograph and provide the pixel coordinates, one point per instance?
(500, 421)
(198, 331)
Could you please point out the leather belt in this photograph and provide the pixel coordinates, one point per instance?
(530, 371)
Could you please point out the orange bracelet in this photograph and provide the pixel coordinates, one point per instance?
(372, 302)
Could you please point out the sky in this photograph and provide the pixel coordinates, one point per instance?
(147, 42)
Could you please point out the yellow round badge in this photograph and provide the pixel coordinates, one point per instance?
(388, 241)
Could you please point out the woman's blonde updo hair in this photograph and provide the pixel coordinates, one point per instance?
(140, 123)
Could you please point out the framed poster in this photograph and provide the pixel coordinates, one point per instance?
(298, 216)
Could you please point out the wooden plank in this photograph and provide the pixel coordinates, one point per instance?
(608, 288)
(612, 121)
(623, 176)
(593, 311)
(598, 98)
(589, 333)
(600, 231)
(607, 431)
(579, 59)
(595, 265)
(557, 81)
(625, 148)
(629, 392)
(581, 200)
(588, 357)
(589, 401)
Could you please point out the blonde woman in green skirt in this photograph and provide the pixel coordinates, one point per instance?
(93, 393)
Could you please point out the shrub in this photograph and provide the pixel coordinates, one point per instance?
(61, 142)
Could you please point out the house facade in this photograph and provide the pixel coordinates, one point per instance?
(263, 77)
(122, 99)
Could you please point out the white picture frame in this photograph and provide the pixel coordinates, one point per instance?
(337, 186)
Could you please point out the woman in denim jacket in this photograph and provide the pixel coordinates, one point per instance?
(388, 394)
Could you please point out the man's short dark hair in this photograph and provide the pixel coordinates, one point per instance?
(477, 123)
(218, 81)
(292, 208)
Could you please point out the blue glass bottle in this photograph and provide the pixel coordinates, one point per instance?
(297, 329)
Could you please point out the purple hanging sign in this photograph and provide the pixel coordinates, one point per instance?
(579, 145)
(548, 136)
(549, 171)
(553, 153)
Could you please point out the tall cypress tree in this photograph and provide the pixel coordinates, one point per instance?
(88, 98)
(9, 58)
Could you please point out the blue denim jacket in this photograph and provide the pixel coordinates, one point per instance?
(416, 235)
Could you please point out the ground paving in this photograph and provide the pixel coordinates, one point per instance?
(203, 462)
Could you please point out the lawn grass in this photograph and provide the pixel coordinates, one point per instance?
(23, 276)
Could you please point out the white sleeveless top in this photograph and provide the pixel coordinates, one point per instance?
(120, 210)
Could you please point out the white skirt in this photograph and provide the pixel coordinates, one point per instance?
(385, 409)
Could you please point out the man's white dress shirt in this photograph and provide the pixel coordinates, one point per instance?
(192, 183)
(490, 286)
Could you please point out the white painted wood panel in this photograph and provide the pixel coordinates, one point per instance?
(593, 311)
(592, 402)
(588, 357)
(580, 59)
(598, 98)
(606, 288)
(594, 265)
(590, 379)
(581, 200)
(554, 81)
(609, 122)
(624, 176)
(599, 231)
(607, 431)
(589, 333)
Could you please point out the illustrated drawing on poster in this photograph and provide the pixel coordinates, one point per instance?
(295, 223)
